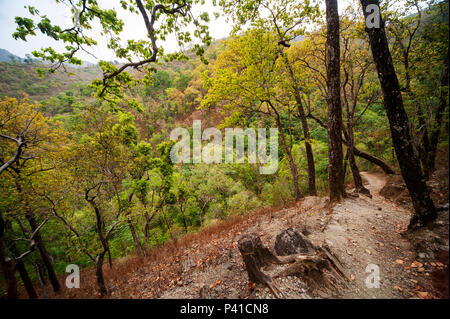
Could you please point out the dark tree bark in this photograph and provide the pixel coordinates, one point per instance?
(100, 225)
(352, 162)
(305, 128)
(99, 274)
(424, 210)
(44, 253)
(20, 266)
(335, 153)
(41, 279)
(26, 279)
(137, 244)
(7, 265)
(373, 159)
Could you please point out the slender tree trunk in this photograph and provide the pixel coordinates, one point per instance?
(99, 274)
(305, 128)
(373, 159)
(436, 129)
(26, 279)
(184, 222)
(292, 165)
(424, 143)
(335, 153)
(7, 265)
(137, 244)
(41, 279)
(44, 254)
(400, 130)
(352, 161)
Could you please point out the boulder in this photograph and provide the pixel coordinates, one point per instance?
(291, 242)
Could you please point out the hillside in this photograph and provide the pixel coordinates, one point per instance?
(359, 231)
(17, 79)
(304, 155)
(6, 56)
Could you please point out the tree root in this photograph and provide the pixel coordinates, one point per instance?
(311, 267)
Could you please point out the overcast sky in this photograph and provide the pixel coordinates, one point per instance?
(60, 14)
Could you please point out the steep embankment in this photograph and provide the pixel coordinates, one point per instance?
(360, 231)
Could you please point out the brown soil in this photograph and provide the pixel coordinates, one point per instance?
(360, 231)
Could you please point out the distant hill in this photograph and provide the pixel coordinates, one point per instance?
(6, 56)
(19, 78)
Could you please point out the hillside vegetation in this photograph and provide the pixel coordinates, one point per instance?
(86, 171)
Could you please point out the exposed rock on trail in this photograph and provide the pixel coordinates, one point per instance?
(364, 234)
(290, 242)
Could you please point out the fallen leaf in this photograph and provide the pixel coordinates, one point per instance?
(398, 288)
(368, 251)
(399, 261)
(422, 294)
(416, 264)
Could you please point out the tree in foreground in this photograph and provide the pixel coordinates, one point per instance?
(409, 162)
(160, 19)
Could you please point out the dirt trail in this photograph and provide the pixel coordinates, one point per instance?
(362, 232)
(365, 233)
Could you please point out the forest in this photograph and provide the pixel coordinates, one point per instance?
(355, 89)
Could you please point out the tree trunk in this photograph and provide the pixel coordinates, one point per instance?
(292, 165)
(7, 266)
(424, 143)
(99, 274)
(26, 279)
(352, 162)
(399, 124)
(305, 128)
(373, 159)
(335, 153)
(137, 244)
(44, 254)
(41, 279)
(436, 129)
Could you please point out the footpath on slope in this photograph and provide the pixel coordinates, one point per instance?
(364, 233)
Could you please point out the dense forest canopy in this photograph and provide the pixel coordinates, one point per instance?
(85, 168)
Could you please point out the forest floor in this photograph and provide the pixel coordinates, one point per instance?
(360, 231)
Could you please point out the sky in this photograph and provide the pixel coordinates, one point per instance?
(60, 14)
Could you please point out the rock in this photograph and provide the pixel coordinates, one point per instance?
(188, 264)
(291, 242)
(422, 255)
